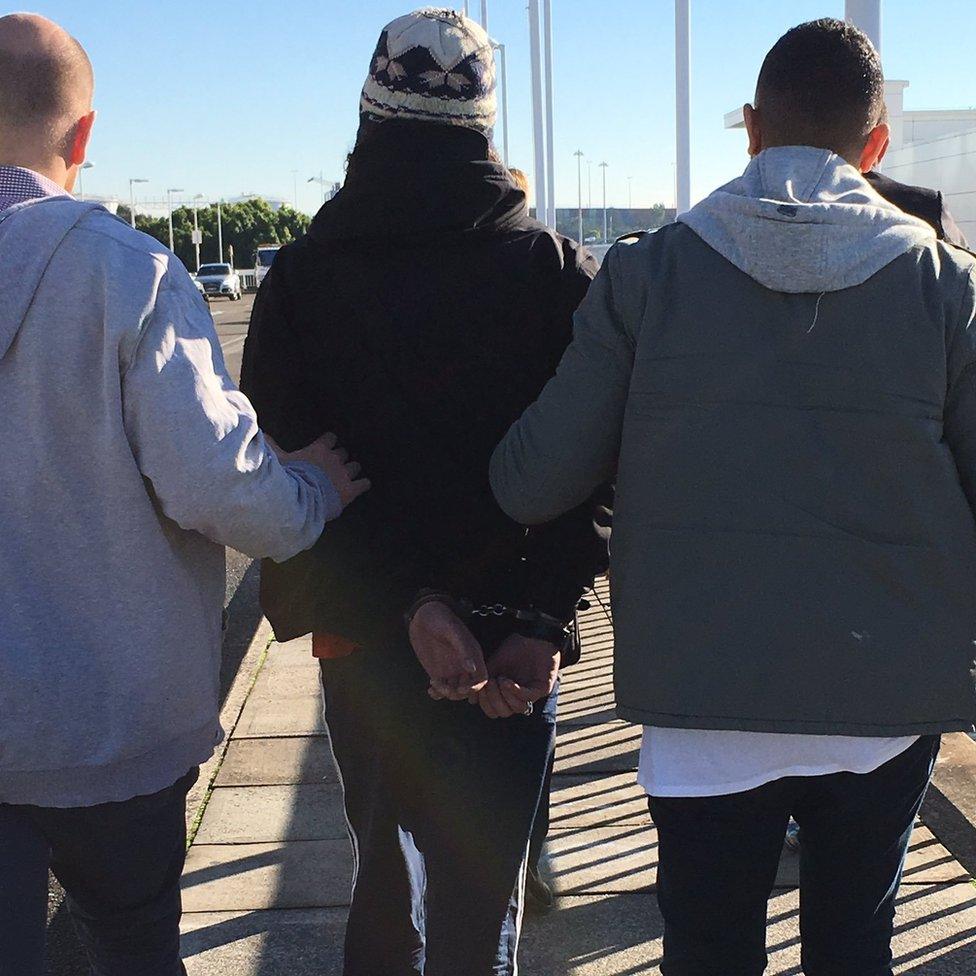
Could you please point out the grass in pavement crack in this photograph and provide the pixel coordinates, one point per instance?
(224, 746)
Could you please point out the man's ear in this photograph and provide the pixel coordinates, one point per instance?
(875, 148)
(753, 127)
(80, 139)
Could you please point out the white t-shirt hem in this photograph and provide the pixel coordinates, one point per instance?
(699, 763)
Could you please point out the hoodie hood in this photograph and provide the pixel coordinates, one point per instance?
(802, 220)
(30, 233)
(420, 180)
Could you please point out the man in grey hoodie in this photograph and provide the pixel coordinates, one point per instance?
(129, 461)
(783, 384)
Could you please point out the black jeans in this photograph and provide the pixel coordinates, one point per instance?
(718, 858)
(440, 802)
(120, 866)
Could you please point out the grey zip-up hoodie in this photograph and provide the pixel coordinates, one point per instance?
(129, 461)
(783, 385)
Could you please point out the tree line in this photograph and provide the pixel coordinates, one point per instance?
(246, 225)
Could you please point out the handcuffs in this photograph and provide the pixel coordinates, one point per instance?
(533, 624)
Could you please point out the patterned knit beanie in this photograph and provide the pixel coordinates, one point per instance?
(434, 65)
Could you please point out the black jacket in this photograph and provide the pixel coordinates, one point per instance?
(422, 313)
(927, 205)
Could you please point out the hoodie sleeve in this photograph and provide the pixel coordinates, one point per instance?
(566, 444)
(195, 438)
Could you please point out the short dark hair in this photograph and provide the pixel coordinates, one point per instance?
(821, 85)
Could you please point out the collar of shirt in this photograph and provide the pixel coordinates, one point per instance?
(18, 185)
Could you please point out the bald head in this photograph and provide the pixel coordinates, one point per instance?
(46, 86)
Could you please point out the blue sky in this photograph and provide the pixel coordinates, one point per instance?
(223, 98)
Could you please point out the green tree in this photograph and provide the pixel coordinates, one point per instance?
(246, 225)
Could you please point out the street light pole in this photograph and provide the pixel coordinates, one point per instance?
(132, 201)
(682, 68)
(294, 176)
(589, 184)
(220, 231)
(550, 147)
(81, 182)
(630, 193)
(169, 207)
(197, 237)
(538, 112)
(484, 14)
(603, 166)
(579, 187)
(500, 48)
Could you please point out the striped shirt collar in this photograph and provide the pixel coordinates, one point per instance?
(18, 185)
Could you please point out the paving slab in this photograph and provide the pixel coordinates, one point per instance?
(268, 716)
(247, 814)
(598, 747)
(621, 935)
(264, 943)
(246, 877)
(278, 762)
(600, 860)
(613, 800)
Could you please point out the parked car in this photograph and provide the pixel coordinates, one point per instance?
(220, 281)
(202, 290)
(263, 259)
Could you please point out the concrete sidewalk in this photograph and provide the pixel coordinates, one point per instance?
(267, 880)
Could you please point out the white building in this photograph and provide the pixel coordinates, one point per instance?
(935, 149)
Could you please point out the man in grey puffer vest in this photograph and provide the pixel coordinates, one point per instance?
(783, 384)
(129, 461)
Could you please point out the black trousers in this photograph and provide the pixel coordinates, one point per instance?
(120, 866)
(440, 802)
(718, 858)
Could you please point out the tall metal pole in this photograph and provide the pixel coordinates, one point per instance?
(630, 193)
(865, 14)
(682, 68)
(603, 166)
(132, 200)
(196, 231)
(169, 207)
(484, 14)
(589, 184)
(220, 231)
(579, 186)
(504, 86)
(550, 123)
(538, 120)
(467, 12)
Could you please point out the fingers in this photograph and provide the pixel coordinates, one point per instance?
(518, 696)
(329, 440)
(494, 705)
(357, 488)
(353, 469)
(341, 453)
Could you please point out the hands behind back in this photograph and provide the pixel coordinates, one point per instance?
(522, 671)
(448, 652)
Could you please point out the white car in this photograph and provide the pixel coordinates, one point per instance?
(220, 281)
